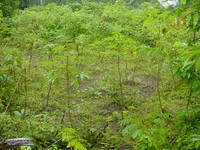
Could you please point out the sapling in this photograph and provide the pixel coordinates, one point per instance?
(68, 89)
(116, 46)
(50, 51)
(120, 78)
(51, 79)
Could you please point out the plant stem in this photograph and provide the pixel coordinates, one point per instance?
(68, 91)
(48, 94)
(26, 92)
(120, 85)
(173, 78)
(189, 99)
(30, 61)
(158, 87)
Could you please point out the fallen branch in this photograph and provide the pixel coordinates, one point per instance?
(15, 142)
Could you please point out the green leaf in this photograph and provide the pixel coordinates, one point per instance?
(136, 134)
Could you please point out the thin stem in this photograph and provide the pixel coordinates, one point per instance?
(48, 94)
(68, 91)
(173, 78)
(26, 92)
(120, 85)
(189, 99)
(158, 87)
(30, 61)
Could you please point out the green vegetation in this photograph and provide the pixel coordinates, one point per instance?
(92, 75)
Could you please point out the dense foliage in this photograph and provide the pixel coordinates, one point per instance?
(100, 75)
